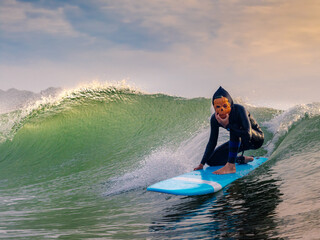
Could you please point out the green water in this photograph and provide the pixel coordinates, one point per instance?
(78, 168)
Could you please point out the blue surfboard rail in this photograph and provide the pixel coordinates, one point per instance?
(202, 182)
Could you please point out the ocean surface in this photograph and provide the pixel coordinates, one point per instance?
(77, 165)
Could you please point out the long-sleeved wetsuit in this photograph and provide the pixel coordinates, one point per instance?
(245, 134)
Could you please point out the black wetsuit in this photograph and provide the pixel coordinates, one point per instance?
(245, 134)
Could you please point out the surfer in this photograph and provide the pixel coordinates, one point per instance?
(245, 134)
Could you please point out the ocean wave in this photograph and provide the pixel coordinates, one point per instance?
(116, 128)
(283, 122)
(95, 128)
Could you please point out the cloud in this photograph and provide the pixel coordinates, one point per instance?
(173, 21)
(179, 47)
(22, 17)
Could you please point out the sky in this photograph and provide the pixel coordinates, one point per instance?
(265, 51)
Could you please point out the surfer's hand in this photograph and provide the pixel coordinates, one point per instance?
(199, 167)
(224, 122)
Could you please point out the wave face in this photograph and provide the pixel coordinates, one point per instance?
(81, 162)
(92, 128)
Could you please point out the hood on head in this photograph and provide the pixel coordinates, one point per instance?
(221, 92)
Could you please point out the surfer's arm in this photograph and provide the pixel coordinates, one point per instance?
(257, 133)
(212, 140)
(246, 131)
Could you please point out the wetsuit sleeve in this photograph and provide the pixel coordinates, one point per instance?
(246, 131)
(257, 133)
(212, 140)
(234, 145)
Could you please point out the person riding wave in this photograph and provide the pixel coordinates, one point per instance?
(245, 134)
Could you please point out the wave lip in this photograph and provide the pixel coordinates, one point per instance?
(283, 122)
(13, 99)
(17, 106)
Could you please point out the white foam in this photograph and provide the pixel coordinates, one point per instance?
(11, 117)
(163, 163)
(280, 124)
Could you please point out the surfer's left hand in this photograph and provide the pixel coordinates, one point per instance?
(199, 167)
(224, 122)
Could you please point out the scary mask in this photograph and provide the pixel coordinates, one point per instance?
(222, 106)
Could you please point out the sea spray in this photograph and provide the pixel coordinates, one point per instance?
(164, 162)
(281, 123)
(55, 100)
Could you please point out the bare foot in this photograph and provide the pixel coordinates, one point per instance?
(244, 159)
(228, 168)
(248, 159)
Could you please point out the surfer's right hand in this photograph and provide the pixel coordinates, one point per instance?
(199, 167)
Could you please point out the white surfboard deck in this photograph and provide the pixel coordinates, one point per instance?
(202, 182)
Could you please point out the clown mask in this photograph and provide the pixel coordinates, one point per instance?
(222, 106)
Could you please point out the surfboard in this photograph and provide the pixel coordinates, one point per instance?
(202, 182)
